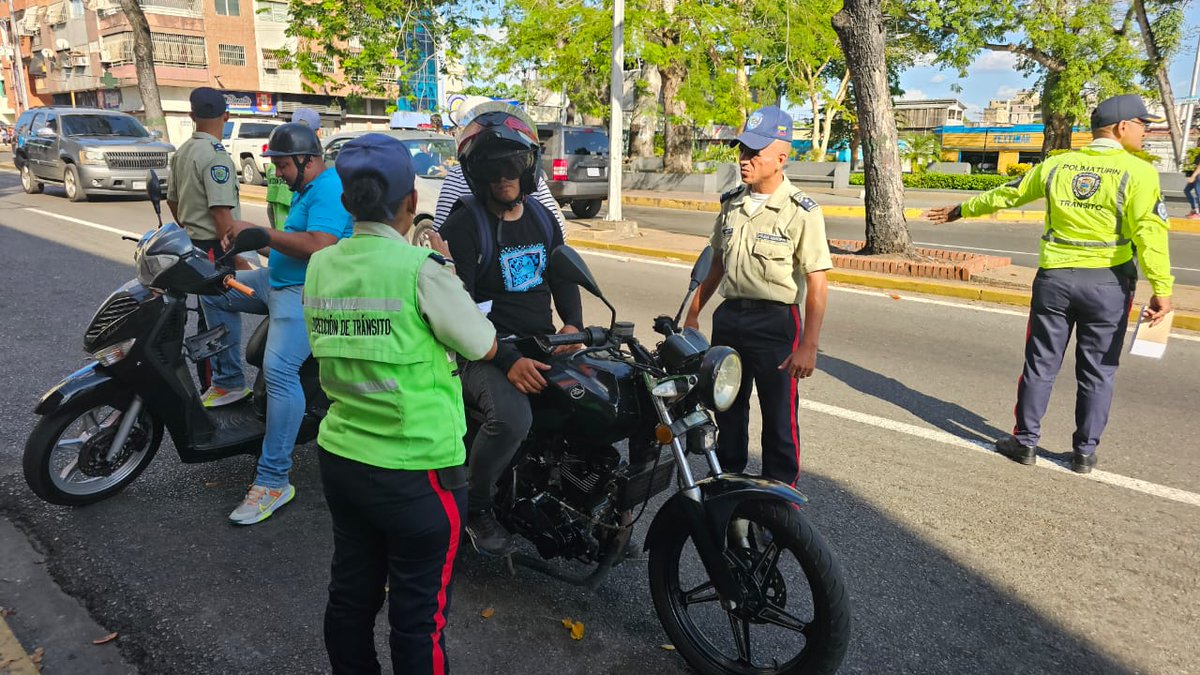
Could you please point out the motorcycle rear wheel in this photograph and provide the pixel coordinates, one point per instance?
(822, 627)
(63, 459)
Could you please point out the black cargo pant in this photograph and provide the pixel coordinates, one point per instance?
(395, 528)
(764, 333)
(1094, 303)
(508, 417)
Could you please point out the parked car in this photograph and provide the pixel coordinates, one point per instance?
(575, 160)
(88, 151)
(432, 155)
(245, 140)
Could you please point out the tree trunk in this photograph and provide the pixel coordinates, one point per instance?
(677, 133)
(830, 112)
(1164, 82)
(859, 26)
(855, 143)
(143, 59)
(645, 114)
(1058, 126)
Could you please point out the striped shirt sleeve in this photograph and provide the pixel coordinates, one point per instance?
(455, 186)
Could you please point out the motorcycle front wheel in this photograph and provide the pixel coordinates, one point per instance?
(66, 455)
(796, 616)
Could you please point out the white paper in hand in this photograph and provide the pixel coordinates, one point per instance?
(1151, 341)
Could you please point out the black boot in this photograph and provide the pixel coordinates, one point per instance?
(1011, 448)
(1081, 463)
(488, 536)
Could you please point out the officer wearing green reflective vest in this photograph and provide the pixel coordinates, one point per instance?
(1104, 209)
(279, 196)
(385, 321)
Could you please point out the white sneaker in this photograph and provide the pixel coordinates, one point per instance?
(215, 397)
(260, 503)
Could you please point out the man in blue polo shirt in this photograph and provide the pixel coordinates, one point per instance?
(316, 219)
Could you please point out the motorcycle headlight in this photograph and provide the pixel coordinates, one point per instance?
(720, 378)
(91, 157)
(113, 353)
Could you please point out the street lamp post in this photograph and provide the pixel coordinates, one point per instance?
(615, 123)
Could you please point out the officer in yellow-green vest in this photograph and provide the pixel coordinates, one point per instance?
(385, 321)
(1104, 210)
(279, 196)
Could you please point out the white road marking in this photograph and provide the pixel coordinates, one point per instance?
(85, 223)
(939, 436)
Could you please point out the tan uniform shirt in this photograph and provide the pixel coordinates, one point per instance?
(202, 176)
(767, 253)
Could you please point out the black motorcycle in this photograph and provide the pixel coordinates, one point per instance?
(727, 553)
(101, 426)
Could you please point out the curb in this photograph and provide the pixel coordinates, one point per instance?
(1183, 320)
(13, 659)
(1181, 225)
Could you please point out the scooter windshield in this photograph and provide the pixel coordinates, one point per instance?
(158, 251)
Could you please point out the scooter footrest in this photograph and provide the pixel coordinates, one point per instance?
(207, 344)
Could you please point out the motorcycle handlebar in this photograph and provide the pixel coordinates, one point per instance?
(238, 286)
(589, 337)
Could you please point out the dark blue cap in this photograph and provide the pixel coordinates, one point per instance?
(208, 103)
(382, 156)
(1121, 108)
(764, 127)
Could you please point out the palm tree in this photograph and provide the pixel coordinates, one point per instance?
(919, 150)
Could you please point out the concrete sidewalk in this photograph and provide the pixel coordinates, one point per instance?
(1009, 285)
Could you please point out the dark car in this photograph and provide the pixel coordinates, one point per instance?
(575, 160)
(88, 151)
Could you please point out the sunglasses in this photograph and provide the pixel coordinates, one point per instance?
(509, 167)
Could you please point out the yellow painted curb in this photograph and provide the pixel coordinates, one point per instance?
(667, 203)
(13, 659)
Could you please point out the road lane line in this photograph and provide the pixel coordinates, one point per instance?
(85, 223)
(939, 436)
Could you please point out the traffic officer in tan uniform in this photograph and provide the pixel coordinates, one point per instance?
(202, 193)
(1104, 209)
(771, 256)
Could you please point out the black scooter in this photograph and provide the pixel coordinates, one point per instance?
(101, 426)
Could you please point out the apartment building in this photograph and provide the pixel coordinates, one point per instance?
(1024, 107)
(80, 52)
(929, 114)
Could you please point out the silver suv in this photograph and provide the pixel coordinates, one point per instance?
(88, 151)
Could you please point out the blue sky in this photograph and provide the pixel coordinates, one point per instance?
(993, 74)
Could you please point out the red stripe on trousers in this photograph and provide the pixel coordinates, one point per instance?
(795, 387)
(439, 618)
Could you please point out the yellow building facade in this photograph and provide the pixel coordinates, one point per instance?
(994, 149)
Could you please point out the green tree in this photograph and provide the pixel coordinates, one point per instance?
(1080, 51)
(1161, 24)
(920, 150)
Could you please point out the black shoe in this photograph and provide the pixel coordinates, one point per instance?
(1011, 448)
(488, 536)
(1081, 463)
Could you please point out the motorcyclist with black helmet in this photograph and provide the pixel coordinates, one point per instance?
(317, 219)
(501, 240)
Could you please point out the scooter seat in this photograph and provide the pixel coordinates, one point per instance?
(256, 347)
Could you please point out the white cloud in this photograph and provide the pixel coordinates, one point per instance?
(973, 112)
(937, 79)
(995, 61)
(1007, 92)
(913, 95)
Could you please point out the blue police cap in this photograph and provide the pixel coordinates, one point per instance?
(1121, 108)
(764, 127)
(382, 156)
(307, 116)
(208, 103)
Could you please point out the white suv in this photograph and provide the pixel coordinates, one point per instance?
(245, 140)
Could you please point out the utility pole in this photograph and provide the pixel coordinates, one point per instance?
(18, 65)
(1191, 106)
(615, 124)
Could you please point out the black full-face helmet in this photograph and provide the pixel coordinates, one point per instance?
(498, 141)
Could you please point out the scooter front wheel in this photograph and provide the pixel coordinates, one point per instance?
(67, 457)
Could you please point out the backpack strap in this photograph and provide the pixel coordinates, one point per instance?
(487, 239)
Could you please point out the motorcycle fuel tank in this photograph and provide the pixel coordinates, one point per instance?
(589, 397)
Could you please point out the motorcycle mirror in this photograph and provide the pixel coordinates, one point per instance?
(250, 239)
(566, 264)
(701, 268)
(154, 192)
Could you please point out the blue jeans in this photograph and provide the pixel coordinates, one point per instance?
(287, 349)
(1189, 191)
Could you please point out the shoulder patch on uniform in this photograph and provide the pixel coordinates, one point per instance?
(1161, 209)
(218, 147)
(804, 201)
(730, 194)
(219, 173)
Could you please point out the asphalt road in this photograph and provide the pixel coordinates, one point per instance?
(1012, 240)
(958, 561)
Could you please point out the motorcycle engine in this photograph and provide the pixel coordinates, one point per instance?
(567, 492)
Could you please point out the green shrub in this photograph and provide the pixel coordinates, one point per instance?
(1019, 169)
(945, 181)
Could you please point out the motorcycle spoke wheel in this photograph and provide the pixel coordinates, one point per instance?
(702, 593)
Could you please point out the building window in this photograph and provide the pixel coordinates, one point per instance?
(232, 55)
(228, 8)
(273, 12)
(169, 50)
(75, 9)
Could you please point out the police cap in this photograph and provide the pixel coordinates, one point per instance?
(207, 103)
(1121, 108)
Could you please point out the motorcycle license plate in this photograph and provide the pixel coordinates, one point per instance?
(593, 171)
(139, 185)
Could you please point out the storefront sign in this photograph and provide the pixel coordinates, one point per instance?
(250, 103)
(1011, 139)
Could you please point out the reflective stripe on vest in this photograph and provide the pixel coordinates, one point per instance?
(354, 304)
(1120, 241)
(367, 387)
